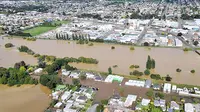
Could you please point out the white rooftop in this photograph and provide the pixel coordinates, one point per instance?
(129, 100)
(145, 102)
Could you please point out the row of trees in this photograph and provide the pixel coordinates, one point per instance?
(16, 76)
(66, 36)
(136, 73)
(150, 64)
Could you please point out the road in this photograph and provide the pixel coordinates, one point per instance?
(144, 31)
(93, 108)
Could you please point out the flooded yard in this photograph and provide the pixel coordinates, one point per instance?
(167, 59)
(106, 90)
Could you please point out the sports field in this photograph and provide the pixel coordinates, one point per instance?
(42, 29)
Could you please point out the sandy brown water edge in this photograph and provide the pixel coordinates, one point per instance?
(26, 98)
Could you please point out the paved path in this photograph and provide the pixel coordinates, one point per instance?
(93, 108)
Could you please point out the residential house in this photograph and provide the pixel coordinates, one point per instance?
(145, 102)
(81, 99)
(58, 105)
(167, 88)
(174, 105)
(66, 95)
(189, 107)
(156, 86)
(129, 100)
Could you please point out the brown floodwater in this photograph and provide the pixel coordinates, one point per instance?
(167, 59)
(27, 98)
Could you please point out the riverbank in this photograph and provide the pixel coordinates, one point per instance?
(26, 98)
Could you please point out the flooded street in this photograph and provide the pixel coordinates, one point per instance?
(167, 59)
(27, 98)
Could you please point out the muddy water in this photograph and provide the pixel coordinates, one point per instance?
(27, 98)
(167, 59)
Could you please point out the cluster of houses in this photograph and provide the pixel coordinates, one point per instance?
(116, 31)
(132, 102)
(72, 100)
(25, 20)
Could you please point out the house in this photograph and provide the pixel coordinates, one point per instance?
(156, 86)
(98, 78)
(148, 83)
(167, 88)
(68, 105)
(69, 110)
(90, 76)
(111, 78)
(81, 99)
(66, 95)
(37, 71)
(156, 103)
(58, 110)
(197, 107)
(60, 87)
(74, 75)
(174, 87)
(88, 92)
(55, 95)
(129, 100)
(189, 107)
(174, 105)
(135, 83)
(145, 102)
(58, 105)
(65, 72)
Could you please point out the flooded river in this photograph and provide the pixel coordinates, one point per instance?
(27, 98)
(167, 59)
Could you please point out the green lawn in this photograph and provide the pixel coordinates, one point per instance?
(62, 22)
(39, 30)
(42, 29)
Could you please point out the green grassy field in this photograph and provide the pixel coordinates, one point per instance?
(38, 30)
(42, 29)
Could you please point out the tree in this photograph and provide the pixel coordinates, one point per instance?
(147, 72)
(109, 70)
(3, 80)
(149, 93)
(192, 71)
(178, 70)
(168, 78)
(82, 77)
(149, 63)
(8, 45)
(113, 47)
(160, 95)
(75, 82)
(132, 48)
(146, 44)
(100, 108)
(155, 76)
(196, 43)
(153, 63)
